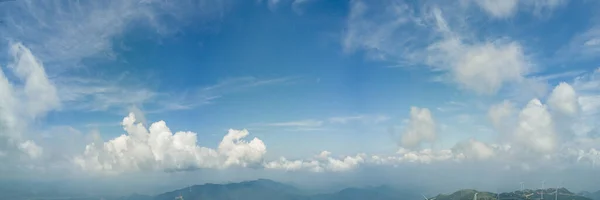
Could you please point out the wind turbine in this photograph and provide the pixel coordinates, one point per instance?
(556, 194)
(543, 189)
(179, 197)
(522, 186)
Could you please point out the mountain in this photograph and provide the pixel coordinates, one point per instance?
(268, 189)
(550, 194)
(248, 190)
(594, 196)
(371, 193)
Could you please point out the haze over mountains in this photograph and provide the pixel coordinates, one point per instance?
(591, 195)
(268, 189)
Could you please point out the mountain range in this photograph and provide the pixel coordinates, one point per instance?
(271, 190)
(594, 195)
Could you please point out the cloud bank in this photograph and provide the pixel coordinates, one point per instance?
(553, 133)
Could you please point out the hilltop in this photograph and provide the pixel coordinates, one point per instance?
(549, 194)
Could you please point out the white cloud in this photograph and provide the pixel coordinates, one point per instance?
(300, 123)
(294, 165)
(23, 103)
(473, 149)
(374, 28)
(535, 130)
(122, 92)
(499, 8)
(563, 99)
(359, 118)
(420, 128)
(91, 94)
(483, 67)
(499, 113)
(240, 152)
(157, 148)
(426, 156)
(588, 83)
(480, 65)
(503, 9)
(67, 32)
(388, 32)
(583, 46)
(37, 88)
(63, 34)
(323, 162)
(590, 104)
(31, 149)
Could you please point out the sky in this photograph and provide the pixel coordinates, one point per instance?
(383, 91)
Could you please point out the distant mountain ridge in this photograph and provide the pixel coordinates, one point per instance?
(272, 190)
(594, 196)
(268, 189)
(265, 189)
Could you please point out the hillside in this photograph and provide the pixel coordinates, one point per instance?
(249, 190)
(268, 189)
(549, 194)
(594, 196)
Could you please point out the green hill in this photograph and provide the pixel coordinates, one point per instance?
(548, 194)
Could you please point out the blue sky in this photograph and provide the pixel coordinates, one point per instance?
(353, 82)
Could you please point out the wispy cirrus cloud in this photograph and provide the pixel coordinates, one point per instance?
(63, 33)
(300, 123)
(86, 94)
(374, 119)
(583, 46)
(503, 9)
(308, 124)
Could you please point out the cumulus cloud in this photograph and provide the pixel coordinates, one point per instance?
(474, 149)
(240, 152)
(421, 128)
(24, 100)
(539, 131)
(483, 67)
(535, 129)
(387, 33)
(500, 113)
(157, 148)
(563, 99)
(31, 149)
